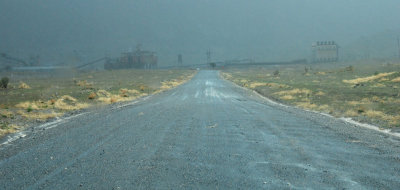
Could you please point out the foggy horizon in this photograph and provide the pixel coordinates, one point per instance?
(260, 30)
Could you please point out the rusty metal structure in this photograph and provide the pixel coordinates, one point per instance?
(138, 59)
(325, 51)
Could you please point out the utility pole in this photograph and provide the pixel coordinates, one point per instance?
(208, 57)
(398, 45)
(180, 62)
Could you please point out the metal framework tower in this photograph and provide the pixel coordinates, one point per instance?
(180, 62)
(208, 57)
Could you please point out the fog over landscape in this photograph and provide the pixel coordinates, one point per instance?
(273, 30)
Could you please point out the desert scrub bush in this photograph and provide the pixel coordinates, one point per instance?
(4, 126)
(142, 88)
(92, 96)
(276, 73)
(29, 109)
(306, 70)
(6, 114)
(350, 68)
(4, 82)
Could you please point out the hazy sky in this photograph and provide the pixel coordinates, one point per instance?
(265, 30)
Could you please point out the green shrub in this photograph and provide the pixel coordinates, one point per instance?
(4, 82)
(29, 109)
(276, 73)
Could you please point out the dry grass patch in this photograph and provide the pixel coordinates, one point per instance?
(287, 97)
(170, 84)
(6, 113)
(227, 76)
(375, 114)
(84, 83)
(295, 91)
(307, 105)
(8, 128)
(378, 85)
(395, 121)
(39, 115)
(129, 91)
(368, 79)
(351, 113)
(256, 84)
(34, 105)
(23, 85)
(103, 93)
(69, 103)
(324, 107)
(396, 79)
(354, 103)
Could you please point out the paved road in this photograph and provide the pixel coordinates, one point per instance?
(205, 134)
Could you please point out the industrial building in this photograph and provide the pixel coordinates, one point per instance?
(325, 51)
(138, 59)
(7, 62)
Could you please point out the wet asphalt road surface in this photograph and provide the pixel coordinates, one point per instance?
(205, 134)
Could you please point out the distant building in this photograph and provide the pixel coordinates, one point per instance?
(325, 51)
(133, 60)
(7, 62)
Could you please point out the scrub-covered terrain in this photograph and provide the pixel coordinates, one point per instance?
(367, 91)
(39, 96)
